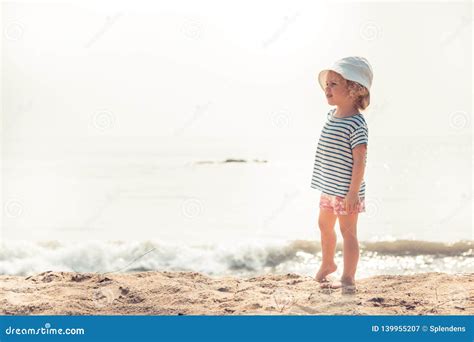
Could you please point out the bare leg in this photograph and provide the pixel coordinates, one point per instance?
(326, 222)
(348, 225)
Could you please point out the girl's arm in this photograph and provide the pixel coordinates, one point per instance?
(358, 167)
(359, 156)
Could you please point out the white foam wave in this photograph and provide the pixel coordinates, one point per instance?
(247, 258)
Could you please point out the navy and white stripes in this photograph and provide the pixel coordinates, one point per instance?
(332, 170)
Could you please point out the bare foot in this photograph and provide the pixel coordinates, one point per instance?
(324, 272)
(347, 285)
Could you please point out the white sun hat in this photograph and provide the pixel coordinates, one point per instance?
(352, 68)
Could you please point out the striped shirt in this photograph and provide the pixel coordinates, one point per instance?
(332, 170)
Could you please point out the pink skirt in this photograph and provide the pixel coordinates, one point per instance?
(336, 204)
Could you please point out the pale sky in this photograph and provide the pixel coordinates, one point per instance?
(242, 70)
(85, 81)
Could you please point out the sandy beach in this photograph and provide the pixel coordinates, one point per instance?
(192, 293)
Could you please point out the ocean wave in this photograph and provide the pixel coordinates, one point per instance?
(26, 257)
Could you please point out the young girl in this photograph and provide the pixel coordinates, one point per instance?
(340, 163)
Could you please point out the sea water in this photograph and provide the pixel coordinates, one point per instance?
(127, 206)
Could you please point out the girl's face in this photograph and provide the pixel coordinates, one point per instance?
(336, 90)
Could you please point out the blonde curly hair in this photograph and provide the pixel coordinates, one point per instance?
(359, 93)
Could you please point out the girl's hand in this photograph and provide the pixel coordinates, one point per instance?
(351, 201)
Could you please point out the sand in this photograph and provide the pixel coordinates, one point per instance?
(192, 293)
